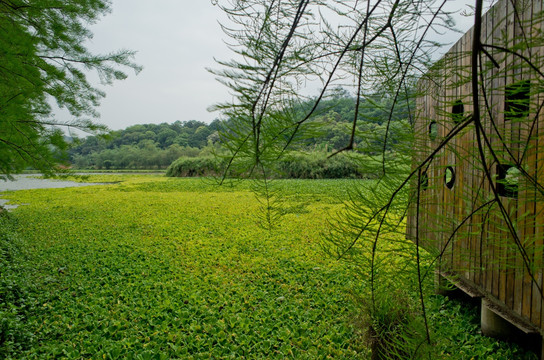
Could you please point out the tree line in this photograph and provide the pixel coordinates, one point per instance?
(156, 146)
(143, 146)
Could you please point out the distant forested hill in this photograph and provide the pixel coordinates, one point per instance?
(335, 119)
(147, 146)
(152, 146)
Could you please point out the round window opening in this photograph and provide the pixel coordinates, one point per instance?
(457, 111)
(433, 130)
(449, 177)
(508, 180)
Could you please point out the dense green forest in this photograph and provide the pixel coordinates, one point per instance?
(147, 146)
(152, 146)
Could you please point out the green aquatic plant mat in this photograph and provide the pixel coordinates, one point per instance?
(156, 268)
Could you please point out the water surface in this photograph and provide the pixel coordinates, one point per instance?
(27, 182)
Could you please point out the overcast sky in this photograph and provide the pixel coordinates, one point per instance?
(175, 40)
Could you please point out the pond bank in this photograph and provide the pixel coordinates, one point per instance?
(28, 182)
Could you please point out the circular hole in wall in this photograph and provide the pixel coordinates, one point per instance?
(457, 111)
(508, 180)
(449, 177)
(433, 130)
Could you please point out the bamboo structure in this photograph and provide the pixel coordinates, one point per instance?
(481, 198)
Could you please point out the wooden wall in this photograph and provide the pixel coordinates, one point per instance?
(490, 245)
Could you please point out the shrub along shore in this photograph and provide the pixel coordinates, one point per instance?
(297, 165)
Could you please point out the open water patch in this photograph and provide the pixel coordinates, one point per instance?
(3, 203)
(29, 182)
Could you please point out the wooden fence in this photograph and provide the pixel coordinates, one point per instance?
(481, 195)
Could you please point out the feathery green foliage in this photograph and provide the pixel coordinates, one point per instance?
(44, 60)
(381, 49)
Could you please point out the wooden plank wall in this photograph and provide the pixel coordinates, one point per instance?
(493, 244)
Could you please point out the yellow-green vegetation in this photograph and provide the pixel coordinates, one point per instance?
(149, 267)
(161, 268)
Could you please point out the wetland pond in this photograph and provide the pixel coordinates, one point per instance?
(27, 182)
